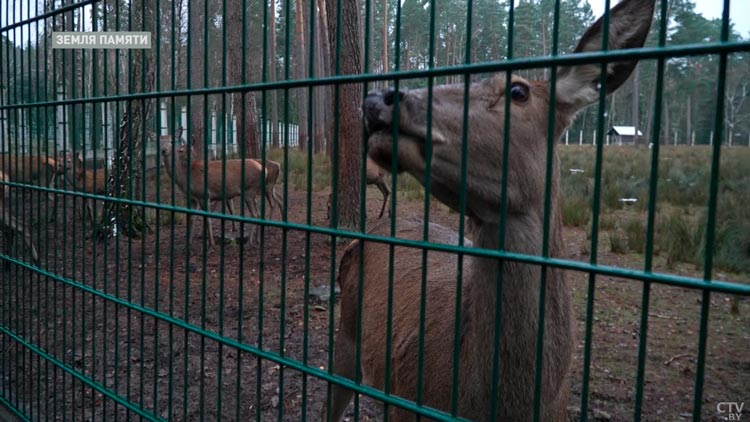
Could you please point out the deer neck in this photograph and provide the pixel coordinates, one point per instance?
(519, 312)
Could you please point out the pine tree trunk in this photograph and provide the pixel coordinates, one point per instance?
(649, 117)
(301, 68)
(125, 179)
(272, 76)
(635, 105)
(689, 120)
(196, 110)
(612, 114)
(321, 107)
(349, 101)
(244, 104)
(386, 66)
(666, 127)
(327, 60)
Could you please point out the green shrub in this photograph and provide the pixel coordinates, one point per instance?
(576, 211)
(635, 231)
(618, 242)
(607, 222)
(677, 238)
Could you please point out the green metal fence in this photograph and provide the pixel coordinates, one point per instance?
(122, 317)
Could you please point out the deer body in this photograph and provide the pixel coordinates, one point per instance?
(84, 180)
(577, 87)
(218, 187)
(28, 168)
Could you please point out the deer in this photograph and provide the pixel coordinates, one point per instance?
(577, 86)
(273, 169)
(376, 175)
(28, 168)
(215, 189)
(84, 180)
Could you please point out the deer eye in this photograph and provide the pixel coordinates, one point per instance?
(519, 92)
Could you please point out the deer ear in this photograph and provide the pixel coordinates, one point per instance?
(178, 133)
(629, 24)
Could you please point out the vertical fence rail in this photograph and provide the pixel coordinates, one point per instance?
(123, 316)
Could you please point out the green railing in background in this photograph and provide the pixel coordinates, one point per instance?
(100, 327)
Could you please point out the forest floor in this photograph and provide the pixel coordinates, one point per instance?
(91, 321)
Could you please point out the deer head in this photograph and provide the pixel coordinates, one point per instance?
(576, 87)
(166, 141)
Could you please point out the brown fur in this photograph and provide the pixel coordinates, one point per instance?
(84, 180)
(273, 170)
(215, 189)
(524, 219)
(376, 175)
(30, 169)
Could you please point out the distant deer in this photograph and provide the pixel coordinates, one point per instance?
(28, 168)
(273, 169)
(84, 180)
(577, 86)
(376, 175)
(216, 190)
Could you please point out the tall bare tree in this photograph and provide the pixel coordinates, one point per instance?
(196, 52)
(635, 103)
(325, 94)
(321, 69)
(301, 67)
(272, 76)
(124, 181)
(385, 36)
(349, 99)
(247, 124)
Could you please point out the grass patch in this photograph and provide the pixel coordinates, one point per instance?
(576, 211)
(635, 231)
(618, 242)
(682, 187)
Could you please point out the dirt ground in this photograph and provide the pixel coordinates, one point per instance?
(257, 297)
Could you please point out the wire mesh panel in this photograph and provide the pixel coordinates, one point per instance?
(460, 210)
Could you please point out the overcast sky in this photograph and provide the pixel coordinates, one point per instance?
(739, 11)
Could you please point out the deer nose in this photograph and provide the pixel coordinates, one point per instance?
(378, 108)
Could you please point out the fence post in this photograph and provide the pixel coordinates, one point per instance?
(711, 139)
(675, 138)
(692, 139)
(593, 140)
(731, 135)
(580, 138)
(567, 133)
(164, 123)
(62, 119)
(213, 127)
(183, 123)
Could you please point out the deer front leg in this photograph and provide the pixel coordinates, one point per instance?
(250, 202)
(231, 212)
(207, 225)
(385, 191)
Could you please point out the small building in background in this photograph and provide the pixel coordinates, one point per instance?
(623, 135)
